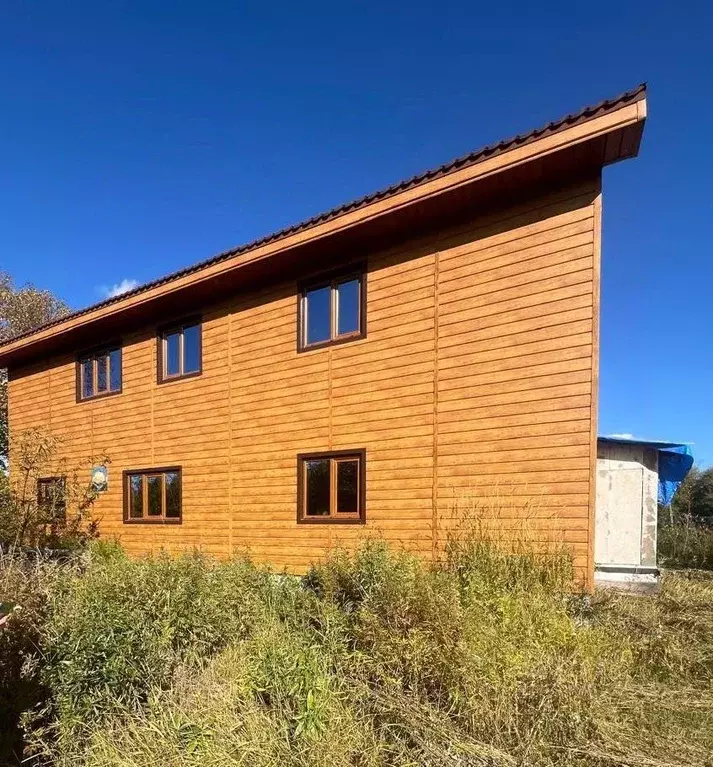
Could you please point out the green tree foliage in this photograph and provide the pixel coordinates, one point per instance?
(694, 500)
(685, 537)
(21, 309)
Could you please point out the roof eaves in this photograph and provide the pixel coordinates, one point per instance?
(486, 152)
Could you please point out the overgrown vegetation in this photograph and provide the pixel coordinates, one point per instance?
(373, 658)
(61, 518)
(686, 544)
(685, 535)
(693, 501)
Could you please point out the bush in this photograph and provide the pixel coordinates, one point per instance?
(686, 545)
(375, 657)
(24, 586)
(375, 650)
(62, 519)
(121, 628)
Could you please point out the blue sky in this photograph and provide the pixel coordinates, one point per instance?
(138, 137)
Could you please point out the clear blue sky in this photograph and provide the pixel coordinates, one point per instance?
(137, 137)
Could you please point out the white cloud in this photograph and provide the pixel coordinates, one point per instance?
(121, 287)
(624, 435)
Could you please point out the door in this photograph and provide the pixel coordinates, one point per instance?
(620, 496)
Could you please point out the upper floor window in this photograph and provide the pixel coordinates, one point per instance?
(332, 310)
(330, 486)
(99, 373)
(179, 351)
(153, 495)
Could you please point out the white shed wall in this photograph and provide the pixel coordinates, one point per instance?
(627, 505)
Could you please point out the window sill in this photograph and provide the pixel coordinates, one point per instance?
(104, 395)
(153, 521)
(336, 342)
(172, 379)
(331, 521)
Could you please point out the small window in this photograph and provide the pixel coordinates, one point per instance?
(99, 374)
(332, 311)
(331, 486)
(153, 495)
(179, 351)
(52, 500)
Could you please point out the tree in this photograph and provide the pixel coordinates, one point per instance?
(21, 309)
(694, 499)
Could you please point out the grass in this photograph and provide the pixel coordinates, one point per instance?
(374, 658)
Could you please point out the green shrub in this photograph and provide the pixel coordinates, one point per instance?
(486, 636)
(120, 629)
(487, 657)
(25, 583)
(686, 545)
(63, 519)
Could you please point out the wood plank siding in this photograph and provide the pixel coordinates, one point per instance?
(477, 376)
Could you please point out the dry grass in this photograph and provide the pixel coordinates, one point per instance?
(374, 658)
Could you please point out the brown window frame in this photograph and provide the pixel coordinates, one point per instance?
(167, 330)
(335, 517)
(94, 355)
(332, 280)
(57, 479)
(145, 519)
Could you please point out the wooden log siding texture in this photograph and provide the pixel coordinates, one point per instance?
(477, 375)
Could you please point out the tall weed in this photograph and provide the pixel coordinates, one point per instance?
(485, 656)
(120, 629)
(25, 585)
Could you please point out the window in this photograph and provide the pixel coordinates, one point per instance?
(99, 373)
(332, 311)
(51, 499)
(153, 495)
(179, 351)
(331, 487)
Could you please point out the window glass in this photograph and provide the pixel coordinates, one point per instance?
(317, 310)
(173, 495)
(102, 374)
(191, 349)
(136, 498)
(87, 379)
(347, 487)
(317, 487)
(348, 307)
(115, 370)
(154, 494)
(172, 349)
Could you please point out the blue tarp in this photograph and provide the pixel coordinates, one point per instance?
(675, 461)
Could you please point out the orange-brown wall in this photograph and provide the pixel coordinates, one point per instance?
(478, 374)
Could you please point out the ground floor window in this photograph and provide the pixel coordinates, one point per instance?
(331, 487)
(153, 495)
(52, 499)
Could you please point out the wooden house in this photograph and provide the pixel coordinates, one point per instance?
(356, 371)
